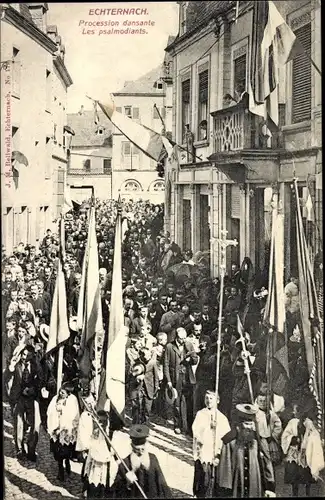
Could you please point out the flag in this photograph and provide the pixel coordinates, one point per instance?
(310, 315)
(274, 313)
(67, 201)
(171, 165)
(273, 45)
(89, 315)
(59, 327)
(17, 159)
(149, 141)
(117, 332)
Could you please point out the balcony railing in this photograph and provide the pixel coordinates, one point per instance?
(235, 128)
(89, 173)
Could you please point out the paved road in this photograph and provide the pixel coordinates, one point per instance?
(27, 481)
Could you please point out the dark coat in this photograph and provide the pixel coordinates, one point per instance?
(152, 481)
(18, 386)
(151, 379)
(177, 370)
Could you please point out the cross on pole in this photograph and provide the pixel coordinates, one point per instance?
(223, 243)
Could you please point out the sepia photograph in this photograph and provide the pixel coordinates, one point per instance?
(162, 250)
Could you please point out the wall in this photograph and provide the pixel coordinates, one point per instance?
(28, 113)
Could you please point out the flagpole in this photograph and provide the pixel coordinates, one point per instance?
(224, 243)
(60, 263)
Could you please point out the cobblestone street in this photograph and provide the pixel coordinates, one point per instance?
(27, 481)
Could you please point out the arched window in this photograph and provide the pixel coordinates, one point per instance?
(132, 185)
(158, 186)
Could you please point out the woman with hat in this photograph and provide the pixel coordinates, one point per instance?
(143, 468)
(301, 443)
(62, 426)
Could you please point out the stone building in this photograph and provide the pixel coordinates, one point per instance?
(228, 181)
(35, 82)
(90, 155)
(134, 174)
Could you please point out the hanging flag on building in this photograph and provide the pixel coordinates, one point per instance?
(17, 159)
(89, 316)
(59, 328)
(117, 333)
(273, 45)
(149, 141)
(274, 313)
(310, 316)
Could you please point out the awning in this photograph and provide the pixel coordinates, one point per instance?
(68, 129)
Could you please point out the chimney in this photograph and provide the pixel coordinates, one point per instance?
(52, 32)
(38, 12)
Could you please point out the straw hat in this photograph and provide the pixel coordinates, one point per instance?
(171, 395)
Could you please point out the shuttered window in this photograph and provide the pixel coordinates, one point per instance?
(135, 113)
(235, 202)
(186, 97)
(240, 75)
(301, 77)
(126, 148)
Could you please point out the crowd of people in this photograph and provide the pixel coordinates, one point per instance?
(171, 311)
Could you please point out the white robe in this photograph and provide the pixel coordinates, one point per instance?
(203, 435)
(314, 455)
(65, 421)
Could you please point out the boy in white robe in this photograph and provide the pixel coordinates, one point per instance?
(206, 457)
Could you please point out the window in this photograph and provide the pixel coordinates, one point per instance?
(128, 111)
(159, 86)
(126, 148)
(239, 76)
(301, 77)
(162, 112)
(107, 166)
(132, 186)
(158, 186)
(100, 131)
(16, 72)
(48, 90)
(87, 165)
(182, 27)
(203, 105)
(186, 92)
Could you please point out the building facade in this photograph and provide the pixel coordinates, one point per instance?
(35, 81)
(90, 156)
(229, 167)
(134, 174)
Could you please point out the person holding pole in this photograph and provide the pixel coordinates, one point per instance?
(253, 474)
(143, 468)
(205, 457)
(62, 426)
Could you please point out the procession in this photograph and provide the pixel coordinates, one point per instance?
(162, 285)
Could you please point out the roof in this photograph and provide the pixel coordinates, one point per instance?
(144, 84)
(85, 129)
(198, 15)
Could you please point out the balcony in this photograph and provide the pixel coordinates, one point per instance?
(244, 148)
(235, 129)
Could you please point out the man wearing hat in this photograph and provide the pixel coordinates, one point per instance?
(143, 468)
(253, 474)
